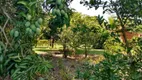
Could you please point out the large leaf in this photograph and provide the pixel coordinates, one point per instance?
(23, 3)
(32, 3)
(26, 4)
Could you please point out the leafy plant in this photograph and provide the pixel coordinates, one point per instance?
(16, 45)
(114, 46)
(114, 67)
(30, 67)
(5, 62)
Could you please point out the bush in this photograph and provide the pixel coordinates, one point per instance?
(100, 40)
(30, 67)
(113, 67)
(113, 46)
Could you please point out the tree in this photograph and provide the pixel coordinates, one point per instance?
(87, 38)
(86, 29)
(128, 14)
(125, 10)
(60, 16)
(80, 32)
(65, 37)
(20, 22)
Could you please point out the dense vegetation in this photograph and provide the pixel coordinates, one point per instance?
(24, 24)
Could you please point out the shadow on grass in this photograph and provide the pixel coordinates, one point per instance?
(78, 51)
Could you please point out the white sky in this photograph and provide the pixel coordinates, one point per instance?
(82, 9)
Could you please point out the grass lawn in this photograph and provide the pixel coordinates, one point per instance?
(59, 47)
(91, 51)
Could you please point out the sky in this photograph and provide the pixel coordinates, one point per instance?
(84, 10)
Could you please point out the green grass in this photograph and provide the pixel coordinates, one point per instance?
(79, 51)
(60, 47)
(91, 51)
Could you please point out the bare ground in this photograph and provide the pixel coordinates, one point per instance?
(65, 69)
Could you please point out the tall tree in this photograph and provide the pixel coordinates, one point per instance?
(126, 11)
(60, 16)
(20, 22)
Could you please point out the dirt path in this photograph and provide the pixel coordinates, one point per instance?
(65, 69)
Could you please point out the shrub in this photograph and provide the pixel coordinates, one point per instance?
(113, 46)
(30, 67)
(113, 67)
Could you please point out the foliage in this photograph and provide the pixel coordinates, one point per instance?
(86, 38)
(60, 15)
(76, 37)
(100, 39)
(126, 15)
(114, 46)
(17, 37)
(138, 28)
(65, 37)
(114, 67)
(86, 31)
(30, 67)
(32, 23)
(5, 62)
(78, 19)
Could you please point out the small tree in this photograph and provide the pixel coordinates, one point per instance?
(65, 40)
(86, 38)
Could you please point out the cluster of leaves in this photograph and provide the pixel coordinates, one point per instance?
(100, 39)
(86, 37)
(16, 55)
(83, 32)
(32, 20)
(115, 66)
(61, 15)
(19, 66)
(114, 45)
(128, 13)
(138, 28)
(5, 65)
(30, 67)
(76, 37)
(84, 24)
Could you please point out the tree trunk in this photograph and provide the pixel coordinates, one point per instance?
(64, 50)
(123, 33)
(52, 41)
(86, 54)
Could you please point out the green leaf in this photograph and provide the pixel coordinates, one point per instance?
(2, 44)
(23, 3)
(49, 66)
(32, 3)
(24, 67)
(28, 58)
(6, 62)
(22, 14)
(10, 66)
(15, 72)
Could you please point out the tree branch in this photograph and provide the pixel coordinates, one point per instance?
(6, 14)
(123, 28)
(2, 29)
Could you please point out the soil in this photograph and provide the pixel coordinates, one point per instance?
(65, 68)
